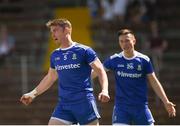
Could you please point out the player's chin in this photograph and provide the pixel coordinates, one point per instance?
(25, 103)
(104, 100)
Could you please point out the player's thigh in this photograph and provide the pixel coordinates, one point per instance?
(86, 112)
(95, 122)
(143, 117)
(53, 121)
(120, 116)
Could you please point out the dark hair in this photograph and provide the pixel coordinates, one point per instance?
(124, 32)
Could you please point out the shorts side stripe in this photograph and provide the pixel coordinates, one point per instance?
(95, 109)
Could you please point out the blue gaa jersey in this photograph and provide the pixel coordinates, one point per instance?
(131, 77)
(73, 67)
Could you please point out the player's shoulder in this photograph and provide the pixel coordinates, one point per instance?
(81, 46)
(55, 51)
(116, 55)
(143, 56)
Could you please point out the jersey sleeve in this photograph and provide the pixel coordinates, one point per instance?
(107, 64)
(148, 67)
(52, 62)
(90, 55)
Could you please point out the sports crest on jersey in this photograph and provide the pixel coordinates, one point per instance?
(74, 56)
(139, 67)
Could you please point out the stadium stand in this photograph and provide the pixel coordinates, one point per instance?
(168, 21)
(26, 20)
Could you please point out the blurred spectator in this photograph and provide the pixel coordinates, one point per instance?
(150, 15)
(113, 12)
(93, 6)
(134, 12)
(4, 1)
(142, 12)
(114, 9)
(107, 9)
(119, 9)
(157, 47)
(149, 7)
(7, 43)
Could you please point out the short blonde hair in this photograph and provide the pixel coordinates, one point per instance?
(61, 22)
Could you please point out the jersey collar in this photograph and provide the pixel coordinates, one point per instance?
(135, 54)
(73, 43)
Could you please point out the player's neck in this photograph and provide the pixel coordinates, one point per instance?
(129, 54)
(66, 43)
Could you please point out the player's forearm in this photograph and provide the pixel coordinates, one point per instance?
(161, 93)
(156, 85)
(45, 84)
(103, 80)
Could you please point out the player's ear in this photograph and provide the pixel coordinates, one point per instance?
(133, 40)
(67, 30)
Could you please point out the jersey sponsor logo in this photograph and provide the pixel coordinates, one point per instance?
(130, 66)
(67, 67)
(130, 75)
(120, 65)
(57, 58)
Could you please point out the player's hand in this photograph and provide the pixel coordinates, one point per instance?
(104, 96)
(26, 99)
(170, 107)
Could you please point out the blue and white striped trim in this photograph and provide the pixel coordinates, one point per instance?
(93, 60)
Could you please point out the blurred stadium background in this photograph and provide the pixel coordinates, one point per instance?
(23, 70)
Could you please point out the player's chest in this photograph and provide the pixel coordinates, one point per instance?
(68, 57)
(128, 66)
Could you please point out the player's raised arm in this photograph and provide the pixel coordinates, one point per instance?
(45, 83)
(102, 76)
(157, 87)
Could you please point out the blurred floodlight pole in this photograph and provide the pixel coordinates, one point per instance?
(24, 78)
